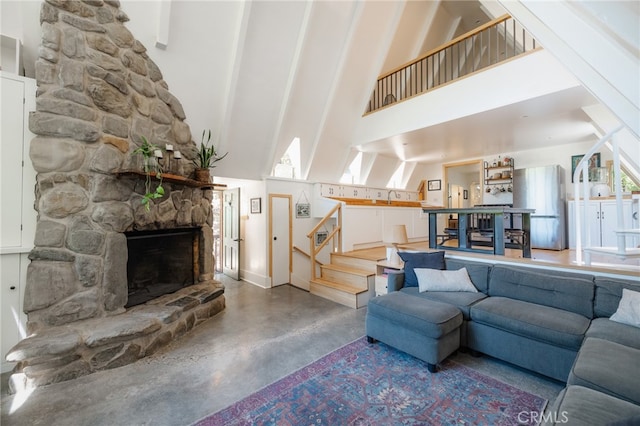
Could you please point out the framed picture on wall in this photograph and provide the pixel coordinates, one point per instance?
(256, 205)
(465, 194)
(320, 237)
(434, 185)
(303, 210)
(594, 162)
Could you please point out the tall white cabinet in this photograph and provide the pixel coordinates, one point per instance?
(602, 222)
(17, 214)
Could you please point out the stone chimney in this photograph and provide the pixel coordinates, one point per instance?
(98, 95)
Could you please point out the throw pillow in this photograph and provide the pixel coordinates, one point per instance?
(412, 260)
(435, 280)
(628, 309)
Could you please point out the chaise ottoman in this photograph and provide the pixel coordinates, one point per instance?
(580, 406)
(426, 329)
(608, 367)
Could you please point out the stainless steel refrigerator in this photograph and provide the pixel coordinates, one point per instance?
(543, 189)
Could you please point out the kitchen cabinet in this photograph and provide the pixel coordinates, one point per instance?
(18, 219)
(602, 222)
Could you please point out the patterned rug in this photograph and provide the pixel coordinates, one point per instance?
(363, 384)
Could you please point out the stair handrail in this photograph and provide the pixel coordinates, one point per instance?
(305, 254)
(582, 168)
(335, 233)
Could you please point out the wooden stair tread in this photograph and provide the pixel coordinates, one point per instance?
(339, 286)
(348, 269)
(366, 254)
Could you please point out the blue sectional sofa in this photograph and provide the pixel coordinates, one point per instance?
(552, 322)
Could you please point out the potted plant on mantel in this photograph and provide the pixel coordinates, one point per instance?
(206, 157)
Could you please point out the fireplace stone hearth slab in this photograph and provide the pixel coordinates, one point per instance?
(83, 347)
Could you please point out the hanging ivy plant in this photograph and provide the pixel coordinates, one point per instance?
(150, 166)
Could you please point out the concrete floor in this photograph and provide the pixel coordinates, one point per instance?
(261, 336)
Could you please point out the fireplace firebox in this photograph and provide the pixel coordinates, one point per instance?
(161, 262)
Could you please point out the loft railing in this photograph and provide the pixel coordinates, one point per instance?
(335, 233)
(493, 42)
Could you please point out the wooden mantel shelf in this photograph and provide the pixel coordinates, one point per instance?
(168, 177)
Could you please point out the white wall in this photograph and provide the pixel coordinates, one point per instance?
(364, 225)
(301, 192)
(191, 64)
(20, 19)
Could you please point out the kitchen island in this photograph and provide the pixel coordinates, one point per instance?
(486, 222)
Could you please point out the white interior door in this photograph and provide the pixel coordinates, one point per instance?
(11, 158)
(13, 269)
(280, 239)
(455, 196)
(231, 233)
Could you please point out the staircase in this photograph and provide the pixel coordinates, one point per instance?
(347, 280)
(622, 232)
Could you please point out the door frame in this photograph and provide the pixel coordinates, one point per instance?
(271, 217)
(235, 274)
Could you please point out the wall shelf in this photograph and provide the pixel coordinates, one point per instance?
(168, 177)
(489, 174)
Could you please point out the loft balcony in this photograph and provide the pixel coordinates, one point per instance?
(492, 43)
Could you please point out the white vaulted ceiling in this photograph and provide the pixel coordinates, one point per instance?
(260, 73)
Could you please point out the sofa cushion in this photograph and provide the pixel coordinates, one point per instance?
(461, 300)
(543, 323)
(604, 328)
(628, 311)
(433, 319)
(478, 272)
(608, 367)
(577, 405)
(412, 260)
(608, 294)
(563, 290)
(443, 280)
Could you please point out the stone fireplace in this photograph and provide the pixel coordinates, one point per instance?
(98, 95)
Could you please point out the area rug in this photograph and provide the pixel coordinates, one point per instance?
(374, 384)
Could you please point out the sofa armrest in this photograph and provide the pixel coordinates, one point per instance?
(395, 281)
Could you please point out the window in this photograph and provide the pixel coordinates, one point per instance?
(289, 164)
(352, 175)
(628, 182)
(396, 179)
